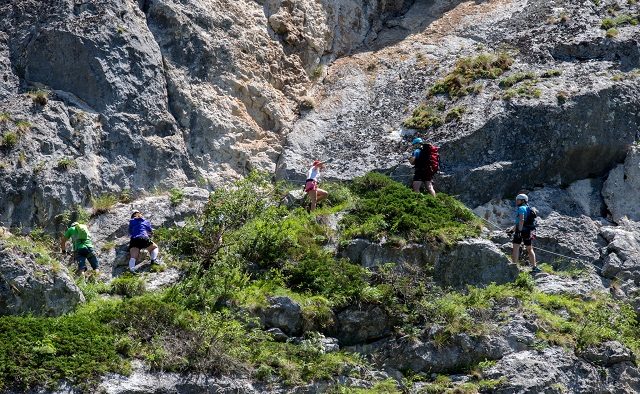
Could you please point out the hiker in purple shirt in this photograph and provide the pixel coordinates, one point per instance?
(140, 231)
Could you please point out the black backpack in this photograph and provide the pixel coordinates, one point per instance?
(530, 218)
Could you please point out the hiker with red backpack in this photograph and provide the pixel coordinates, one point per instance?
(524, 231)
(425, 158)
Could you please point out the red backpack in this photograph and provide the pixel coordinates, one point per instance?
(430, 159)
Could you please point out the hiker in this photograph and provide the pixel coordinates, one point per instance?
(311, 185)
(524, 231)
(425, 159)
(82, 246)
(140, 231)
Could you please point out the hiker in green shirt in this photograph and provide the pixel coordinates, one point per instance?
(81, 238)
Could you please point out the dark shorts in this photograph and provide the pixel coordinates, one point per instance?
(140, 243)
(423, 176)
(82, 255)
(524, 237)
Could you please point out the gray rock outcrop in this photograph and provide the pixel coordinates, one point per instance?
(622, 186)
(282, 313)
(28, 286)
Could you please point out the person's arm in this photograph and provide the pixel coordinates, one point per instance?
(413, 157)
(130, 228)
(149, 228)
(63, 244)
(520, 222)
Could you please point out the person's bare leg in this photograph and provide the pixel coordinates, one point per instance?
(416, 186)
(532, 256)
(321, 195)
(313, 195)
(515, 253)
(430, 188)
(153, 252)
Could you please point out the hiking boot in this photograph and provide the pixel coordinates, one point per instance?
(535, 270)
(157, 262)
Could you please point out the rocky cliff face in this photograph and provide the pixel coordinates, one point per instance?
(133, 98)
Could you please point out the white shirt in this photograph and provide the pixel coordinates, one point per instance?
(314, 173)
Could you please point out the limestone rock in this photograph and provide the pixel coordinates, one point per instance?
(370, 254)
(476, 262)
(622, 185)
(361, 324)
(608, 354)
(282, 313)
(27, 286)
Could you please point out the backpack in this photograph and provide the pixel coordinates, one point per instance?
(530, 219)
(431, 160)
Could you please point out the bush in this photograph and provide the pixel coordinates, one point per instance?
(515, 78)
(388, 208)
(66, 163)
(22, 126)
(611, 33)
(40, 97)
(103, 204)
(37, 351)
(128, 286)
(454, 114)
(423, 118)
(176, 196)
(10, 140)
(467, 70)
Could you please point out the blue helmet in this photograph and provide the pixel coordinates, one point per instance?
(417, 141)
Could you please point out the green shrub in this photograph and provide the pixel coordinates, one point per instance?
(66, 163)
(515, 78)
(176, 196)
(40, 97)
(126, 196)
(10, 140)
(22, 126)
(320, 273)
(551, 74)
(128, 286)
(624, 19)
(467, 70)
(5, 117)
(39, 352)
(423, 118)
(611, 33)
(389, 208)
(103, 204)
(526, 90)
(454, 114)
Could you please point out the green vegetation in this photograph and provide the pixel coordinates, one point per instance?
(176, 196)
(454, 114)
(389, 208)
(621, 20)
(22, 126)
(423, 118)
(78, 214)
(40, 96)
(317, 72)
(10, 140)
(126, 196)
(245, 248)
(5, 117)
(66, 163)
(515, 78)
(527, 90)
(551, 74)
(103, 204)
(459, 82)
(611, 33)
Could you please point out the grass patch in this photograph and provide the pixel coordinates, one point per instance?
(386, 208)
(103, 204)
(525, 90)
(10, 140)
(66, 163)
(40, 96)
(515, 78)
(459, 82)
(37, 352)
(423, 118)
(22, 126)
(5, 117)
(176, 196)
(620, 20)
(128, 285)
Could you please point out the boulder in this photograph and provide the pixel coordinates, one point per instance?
(28, 286)
(476, 262)
(585, 284)
(283, 313)
(558, 370)
(621, 187)
(371, 254)
(362, 324)
(608, 354)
